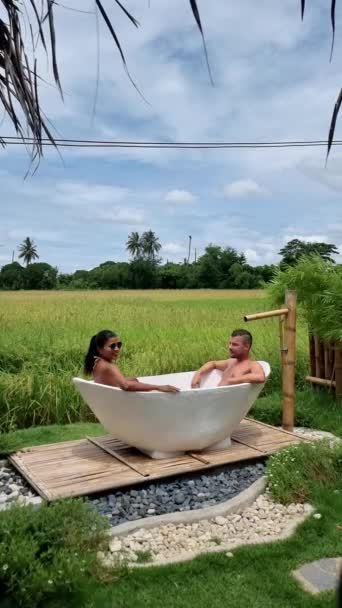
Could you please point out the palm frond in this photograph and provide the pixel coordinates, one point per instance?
(333, 122)
(332, 16)
(19, 79)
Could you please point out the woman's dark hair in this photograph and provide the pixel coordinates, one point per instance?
(97, 341)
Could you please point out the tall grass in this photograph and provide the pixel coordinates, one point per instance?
(44, 336)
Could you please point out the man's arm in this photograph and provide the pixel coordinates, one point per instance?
(255, 375)
(206, 368)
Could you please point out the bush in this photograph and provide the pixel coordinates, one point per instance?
(292, 472)
(49, 553)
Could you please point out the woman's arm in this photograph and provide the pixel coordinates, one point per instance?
(111, 375)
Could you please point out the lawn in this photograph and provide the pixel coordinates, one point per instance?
(43, 338)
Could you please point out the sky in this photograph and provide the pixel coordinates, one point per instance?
(272, 81)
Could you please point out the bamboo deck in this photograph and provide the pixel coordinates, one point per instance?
(76, 468)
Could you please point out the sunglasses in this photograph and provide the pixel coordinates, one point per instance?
(116, 345)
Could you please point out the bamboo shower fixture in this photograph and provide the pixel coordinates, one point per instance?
(287, 340)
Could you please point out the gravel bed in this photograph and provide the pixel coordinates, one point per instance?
(180, 494)
(263, 521)
(13, 488)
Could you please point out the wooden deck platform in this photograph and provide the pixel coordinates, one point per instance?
(76, 468)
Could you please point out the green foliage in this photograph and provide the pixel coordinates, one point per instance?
(319, 287)
(12, 277)
(40, 276)
(296, 249)
(35, 276)
(143, 557)
(49, 552)
(292, 472)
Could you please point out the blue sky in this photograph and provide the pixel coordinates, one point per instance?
(273, 80)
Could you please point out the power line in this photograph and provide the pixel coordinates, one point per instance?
(89, 143)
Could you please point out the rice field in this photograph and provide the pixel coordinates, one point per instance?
(44, 337)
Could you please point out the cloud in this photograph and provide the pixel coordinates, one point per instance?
(308, 238)
(48, 236)
(118, 215)
(180, 197)
(243, 188)
(86, 193)
(94, 190)
(173, 248)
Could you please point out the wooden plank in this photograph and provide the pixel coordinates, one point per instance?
(37, 485)
(278, 430)
(117, 456)
(199, 457)
(86, 466)
(250, 446)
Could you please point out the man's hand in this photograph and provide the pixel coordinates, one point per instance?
(196, 380)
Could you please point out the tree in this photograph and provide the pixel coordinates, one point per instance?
(41, 276)
(19, 77)
(28, 251)
(134, 245)
(296, 249)
(150, 245)
(12, 276)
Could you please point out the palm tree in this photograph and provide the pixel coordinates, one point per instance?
(19, 77)
(150, 244)
(28, 251)
(134, 244)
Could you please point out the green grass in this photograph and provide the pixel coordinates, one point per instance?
(44, 336)
(257, 576)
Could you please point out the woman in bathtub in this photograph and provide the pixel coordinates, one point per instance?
(104, 349)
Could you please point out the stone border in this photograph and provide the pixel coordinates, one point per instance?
(241, 501)
(228, 548)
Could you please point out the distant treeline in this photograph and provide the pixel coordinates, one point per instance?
(218, 268)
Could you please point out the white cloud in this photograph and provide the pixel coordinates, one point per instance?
(308, 238)
(243, 188)
(83, 193)
(36, 235)
(173, 248)
(291, 99)
(180, 196)
(118, 216)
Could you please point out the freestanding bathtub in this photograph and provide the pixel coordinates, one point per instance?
(166, 424)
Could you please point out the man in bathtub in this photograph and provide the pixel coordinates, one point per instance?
(239, 368)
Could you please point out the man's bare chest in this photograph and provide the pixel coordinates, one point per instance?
(235, 370)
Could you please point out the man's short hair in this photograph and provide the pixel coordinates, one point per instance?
(245, 335)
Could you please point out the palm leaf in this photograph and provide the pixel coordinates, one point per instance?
(19, 79)
(302, 8)
(333, 122)
(332, 16)
(197, 17)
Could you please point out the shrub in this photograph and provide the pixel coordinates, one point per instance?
(49, 553)
(292, 472)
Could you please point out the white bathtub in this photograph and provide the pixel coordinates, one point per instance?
(165, 424)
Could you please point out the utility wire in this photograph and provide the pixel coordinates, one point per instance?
(89, 143)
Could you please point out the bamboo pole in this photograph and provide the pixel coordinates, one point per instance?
(266, 315)
(321, 381)
(312, 355)
(319, 357)
(327, 365)
(281, 339)
(289, 361)
(338, 370)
